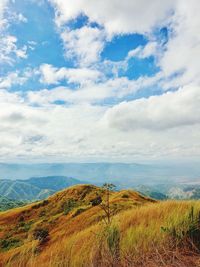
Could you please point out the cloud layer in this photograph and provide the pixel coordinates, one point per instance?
(170, 110)
(118, 17)
(93, 107)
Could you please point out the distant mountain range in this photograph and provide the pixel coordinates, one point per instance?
(123, 174)
(35, 188)
(171, 191)
(157, 181)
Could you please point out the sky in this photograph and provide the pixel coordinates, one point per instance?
(99, 80)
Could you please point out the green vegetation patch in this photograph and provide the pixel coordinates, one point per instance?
(41, 234)
(187, 232)
(7, 244)
(79, 211)
(6, 204)
(68, 205)
(40, 204)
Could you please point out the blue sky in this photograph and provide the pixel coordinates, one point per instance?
(41, 36)
(101, 80)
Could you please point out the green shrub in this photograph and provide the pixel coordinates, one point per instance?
(40, 204)
(113, 240)
(21, 219)
(187, 233)
(68, 205)
(78, 211)
(6, 244)
(96, 201)
(27, 226)
(42, 213)
(125, 196)
(41, 234)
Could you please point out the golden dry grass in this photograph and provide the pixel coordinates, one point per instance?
(82, 240)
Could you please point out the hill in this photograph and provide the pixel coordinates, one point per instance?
(6, 204)
(35, 188)
(62, 215)
(70, 229)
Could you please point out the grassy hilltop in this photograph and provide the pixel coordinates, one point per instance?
(70, 228)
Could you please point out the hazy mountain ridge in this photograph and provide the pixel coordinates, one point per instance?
(156, 181)
(123, 173)
(35, 188)
(171, 191)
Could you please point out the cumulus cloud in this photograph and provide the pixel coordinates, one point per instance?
(22, 18)
(115, 15)
(13, 78)
(43, 131)
(81, 131)
(170, 110)
(89, 92)
(9, 48)
(3, 4)
(84, 44)
(53, 75)
(148, 50)
(183, 48)
(90, 115)
(122, 17)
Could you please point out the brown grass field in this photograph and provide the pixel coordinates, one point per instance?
(67, 230)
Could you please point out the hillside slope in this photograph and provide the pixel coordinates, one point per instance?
(69, 229)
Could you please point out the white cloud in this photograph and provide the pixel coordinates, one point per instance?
(115, 15)
(81, 132)
(16, 17)
(22, 18)
(45, 132)
(83, 45)
(89, 91)
(7, 97)
(13, 78)
(21, 53)
(170, 110)
(90, 94)
(32, 45)
(93, 123)
(9, 49)
(182, 53)
(82, 76)
(8, 44)
(3, 4)
(150, 49)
